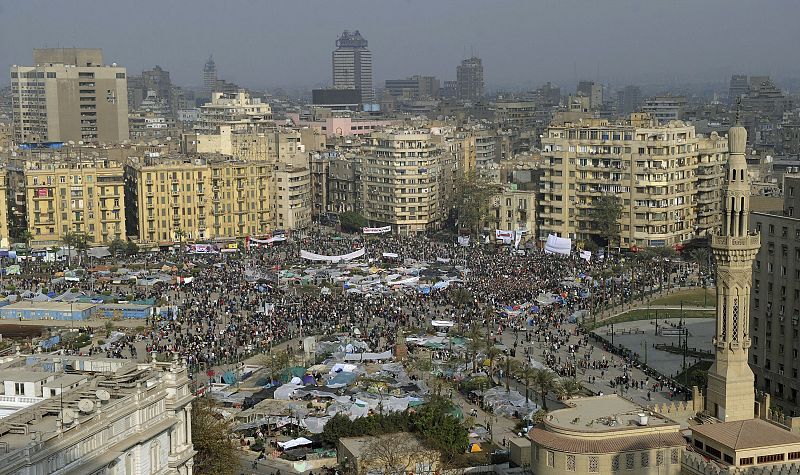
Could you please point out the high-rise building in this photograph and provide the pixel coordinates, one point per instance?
(352, 65)
(415, 87)
(209, 77)
(592, 91)
(629, 99)
(652, 169)
(469, 79)
(158, 81)
(739, 86)
(69, 95)
(409, 204)
(775, 306)
(665, 108)
(730, 395)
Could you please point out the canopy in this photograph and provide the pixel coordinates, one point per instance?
(290, 444)
(558, 245)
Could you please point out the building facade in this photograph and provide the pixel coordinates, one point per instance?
(651, 169)
(236, 110)
(665, 108)
(469, 79)
(352, 65)
(85, 196)
(69, 95)
(400, 175)
(113, 417)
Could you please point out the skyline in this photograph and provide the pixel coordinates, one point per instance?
(539, 42)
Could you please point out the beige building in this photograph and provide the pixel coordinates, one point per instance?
(652, 169)
(256, 143)
(237, 110)
(4, 214)
(515, 210)
(606, 435)
(713, 155)
(178, 200)
(291, 196)
(79, 195)
(69, 95)
(400, 179)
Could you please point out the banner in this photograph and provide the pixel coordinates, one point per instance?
(201, 248)
(391, 255)
(463, 241)
(587, 255)
(385, 229)
(517, 238)
(277, 238)
(558, 245)
(503, 235)
(343, 257)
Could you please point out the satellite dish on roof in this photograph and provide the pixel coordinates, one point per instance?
(103, 395)
(86, 405)
(68, 416)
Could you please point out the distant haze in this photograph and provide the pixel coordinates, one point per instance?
(522, 43)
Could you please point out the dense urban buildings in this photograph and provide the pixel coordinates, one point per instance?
(352, 65)
(70, 95)
(209, 78)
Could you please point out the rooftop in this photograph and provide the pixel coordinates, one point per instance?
(603, 414)
(748, 434)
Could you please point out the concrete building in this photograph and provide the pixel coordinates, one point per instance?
(775, 306)
(104, 416)
(739, 87)
(665, 108)
(209, 77)
(388, 453)
(291, 195)
(592, 91)
(520, 114)
(399, 175)
(352, 65)
(180, 200)
(79, 195)
(730, 395)
(237, 110)
(469, 79)
(344, 185)
(515, 210)
(69, 95)
(341, 125)
(4, 208)
(629, 99)
(711, 161)
(583, 439)
(415, 87)
(255, 143)
(651, 168)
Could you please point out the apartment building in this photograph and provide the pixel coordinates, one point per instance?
(514, 209)
(291, 196)
(237, 110)
(345, 190)
(69, 95)
(254, 143)
(180, 199)
(4, 210)
(652, 169)
(400, 179)
(79, 195)
(775, 302)
(711, 161)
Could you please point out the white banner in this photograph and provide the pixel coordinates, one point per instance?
(463, 241)
(319, 257)
(385, 229)
(558, 245)
(392, 255)
(277, 238)
(587, 255)
(503, 235)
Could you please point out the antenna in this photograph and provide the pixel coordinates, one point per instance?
(86, 406)
(103, 395)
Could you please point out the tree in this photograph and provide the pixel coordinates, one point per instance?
(109, 327)
(512, 368)
(116, 247)
(545, 381)
(606, 212)
(492, 352)
(351, 221)
(526, 373)
(397, 453)
(275, 363)
(25, 237)
(211, 436)
(474, 346)
(68, 240)
(131, 248)
(568, 388)
(472, 200)
(460, 297)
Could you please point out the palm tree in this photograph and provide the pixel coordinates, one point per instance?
(546, 382)
(512, 366)
(526, 373)
(492, 353)
(461, 297)
(568, 388)
(474, 345)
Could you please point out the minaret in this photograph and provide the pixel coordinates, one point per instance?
(730, 395)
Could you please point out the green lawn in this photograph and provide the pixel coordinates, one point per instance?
(644, 314)
(691, 298)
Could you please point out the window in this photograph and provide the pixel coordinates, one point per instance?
(570, 463)
(793, 455)
(645, 459)
(746, 461)
(674, 458)
(120, 75)
(615, 463)
(629, 461)
(594, 464)
(659, 458)
(770, 458)
(551, 458)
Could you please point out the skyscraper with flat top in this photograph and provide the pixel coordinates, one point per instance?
(469, 79)
(730, 395)
(352, 65)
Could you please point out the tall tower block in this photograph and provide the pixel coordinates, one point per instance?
(730, 395)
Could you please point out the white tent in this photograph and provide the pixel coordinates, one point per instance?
(290, 444)
(558, 245)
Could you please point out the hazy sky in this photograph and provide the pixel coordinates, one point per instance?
(522, 42)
